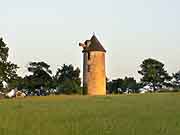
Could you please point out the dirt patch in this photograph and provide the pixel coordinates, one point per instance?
(2, 96)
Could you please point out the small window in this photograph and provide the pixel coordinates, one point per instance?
(89, 68)
(89, 56)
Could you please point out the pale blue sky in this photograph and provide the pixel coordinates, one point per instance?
(130, 30)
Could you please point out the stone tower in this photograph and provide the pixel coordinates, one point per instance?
(94, 75)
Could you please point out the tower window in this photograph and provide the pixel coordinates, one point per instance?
(89, 56)
(89, 68)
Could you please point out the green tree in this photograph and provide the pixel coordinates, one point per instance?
(176, 77)
(69, 87)
(128, 83)
(16, 83)
(68, 80)
(7, 69)
(153, 73)
(41, 75)
(115, 84)
(3, 51)
(68, 72)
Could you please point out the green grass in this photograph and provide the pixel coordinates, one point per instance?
(150, 114)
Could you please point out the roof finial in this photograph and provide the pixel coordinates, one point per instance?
(94, 33)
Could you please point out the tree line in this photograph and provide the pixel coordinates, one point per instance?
(154, 76)
(67, 78)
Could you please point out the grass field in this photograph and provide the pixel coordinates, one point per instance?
(150, 114)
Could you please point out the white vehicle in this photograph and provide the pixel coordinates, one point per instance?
(142, 91)
(11, 94)
(5, 85)
(20, 94)
(128, 91)
(146, 89)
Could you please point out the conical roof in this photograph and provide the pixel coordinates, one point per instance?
(94, 45)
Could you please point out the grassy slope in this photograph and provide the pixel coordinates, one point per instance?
(151, 114)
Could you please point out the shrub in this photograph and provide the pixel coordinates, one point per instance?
(69, 87)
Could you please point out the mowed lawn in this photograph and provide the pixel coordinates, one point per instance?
(150, 114)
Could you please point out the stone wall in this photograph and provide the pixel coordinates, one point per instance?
(96, 76)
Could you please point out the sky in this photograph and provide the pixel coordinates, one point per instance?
(130, 31)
